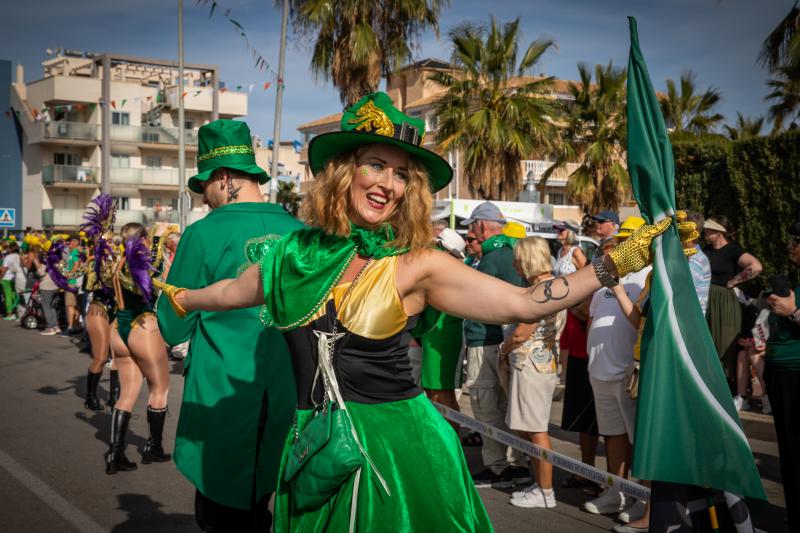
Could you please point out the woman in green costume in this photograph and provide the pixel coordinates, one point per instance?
(365, 268)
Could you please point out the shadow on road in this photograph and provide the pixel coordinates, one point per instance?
(101, 421)
(77, 385)
(144, 514)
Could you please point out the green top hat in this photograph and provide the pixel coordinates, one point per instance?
(374, 119)
(225, 143)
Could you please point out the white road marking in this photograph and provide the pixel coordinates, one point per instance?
(55, 501)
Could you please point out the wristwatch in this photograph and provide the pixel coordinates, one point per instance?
(603, 275)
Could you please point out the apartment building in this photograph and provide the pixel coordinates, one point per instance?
(414, 94)
(60, 118)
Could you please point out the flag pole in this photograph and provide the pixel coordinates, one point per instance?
(276, 136)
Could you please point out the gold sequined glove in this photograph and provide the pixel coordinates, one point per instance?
(687, 232)
(171, 291)
(634, 253)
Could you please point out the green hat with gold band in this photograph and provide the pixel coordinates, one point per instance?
(225, 143)
(374, 119)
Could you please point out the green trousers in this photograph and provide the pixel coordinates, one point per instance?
(9, 296)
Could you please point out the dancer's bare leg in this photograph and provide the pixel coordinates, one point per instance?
(150, 353)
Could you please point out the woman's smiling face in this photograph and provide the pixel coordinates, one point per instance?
(379, 184)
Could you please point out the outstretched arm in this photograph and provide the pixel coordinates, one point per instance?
(244, 291)
(457, 289)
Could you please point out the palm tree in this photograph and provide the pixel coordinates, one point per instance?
(781, 48)
(492, 111)
(287, 197)
(690, 110)
(594, 137)
(358, 42)
(745, 128)
(786, 97)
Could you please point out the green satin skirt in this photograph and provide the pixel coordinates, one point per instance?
(419, 456)
(724, 319)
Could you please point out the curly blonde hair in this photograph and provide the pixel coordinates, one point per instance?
(328, 202)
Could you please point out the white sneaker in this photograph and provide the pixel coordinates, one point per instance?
(535, 498)
(611, 501)
(49, 331)
(766, 408)
(633, 513)
(521, 493)
(741, 403)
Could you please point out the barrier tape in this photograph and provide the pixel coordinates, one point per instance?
(558, 460)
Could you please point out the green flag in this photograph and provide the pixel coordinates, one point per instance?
(687, 429)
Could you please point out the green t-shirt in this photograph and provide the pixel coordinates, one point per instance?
(74, 257)
(783, 346)
(497, 262)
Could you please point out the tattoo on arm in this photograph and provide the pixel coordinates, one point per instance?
(745, 275)
(550, 290)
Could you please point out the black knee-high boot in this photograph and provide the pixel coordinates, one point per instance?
(91, 401)
(115, 457)
(113, 389)
(153, 451)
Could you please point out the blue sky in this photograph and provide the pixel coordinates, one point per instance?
(718, 39)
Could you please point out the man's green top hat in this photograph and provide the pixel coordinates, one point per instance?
(225, 143)
(374, 119)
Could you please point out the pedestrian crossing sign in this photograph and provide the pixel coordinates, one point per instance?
(8, 217)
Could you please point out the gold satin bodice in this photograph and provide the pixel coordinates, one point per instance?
(373, 309)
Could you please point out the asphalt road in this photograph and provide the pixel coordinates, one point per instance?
(52, 475)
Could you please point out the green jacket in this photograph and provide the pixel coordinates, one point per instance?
(233, 363)
(497, 263)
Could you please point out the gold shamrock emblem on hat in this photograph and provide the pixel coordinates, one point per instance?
(370, 116)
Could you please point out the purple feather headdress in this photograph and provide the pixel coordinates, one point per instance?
(140, 264)
(102, 253)
(53, 265)
(99, 216)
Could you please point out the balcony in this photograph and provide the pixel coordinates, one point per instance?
(61, 217)
(151, 135)
(143, 177)
(76, 131)
(74, 217)
(70, 175)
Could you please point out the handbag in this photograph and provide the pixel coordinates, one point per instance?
(328, 451)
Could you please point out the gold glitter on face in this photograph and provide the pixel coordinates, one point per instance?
(363, 171)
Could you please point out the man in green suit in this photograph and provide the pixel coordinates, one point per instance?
(239, 397)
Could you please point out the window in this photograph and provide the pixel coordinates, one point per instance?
(120, 161)
(188, 124)
(121, 202)
(152, 161)
(66, 159)
(120, 118)
(432, 122)
(556, 198)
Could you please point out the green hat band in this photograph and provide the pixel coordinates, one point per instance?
(223, 155)
(371, 119)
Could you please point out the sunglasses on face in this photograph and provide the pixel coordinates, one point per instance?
(795, 241)
(471, 239)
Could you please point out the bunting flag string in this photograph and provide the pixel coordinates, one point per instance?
(260, 62)
(124, 103)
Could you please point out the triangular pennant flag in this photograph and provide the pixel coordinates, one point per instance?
(122, 104)
(266, 85)
(222, 90)
(184, 94)
(113, 104)
(197, 93)
(8, 114)
(238, 87)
